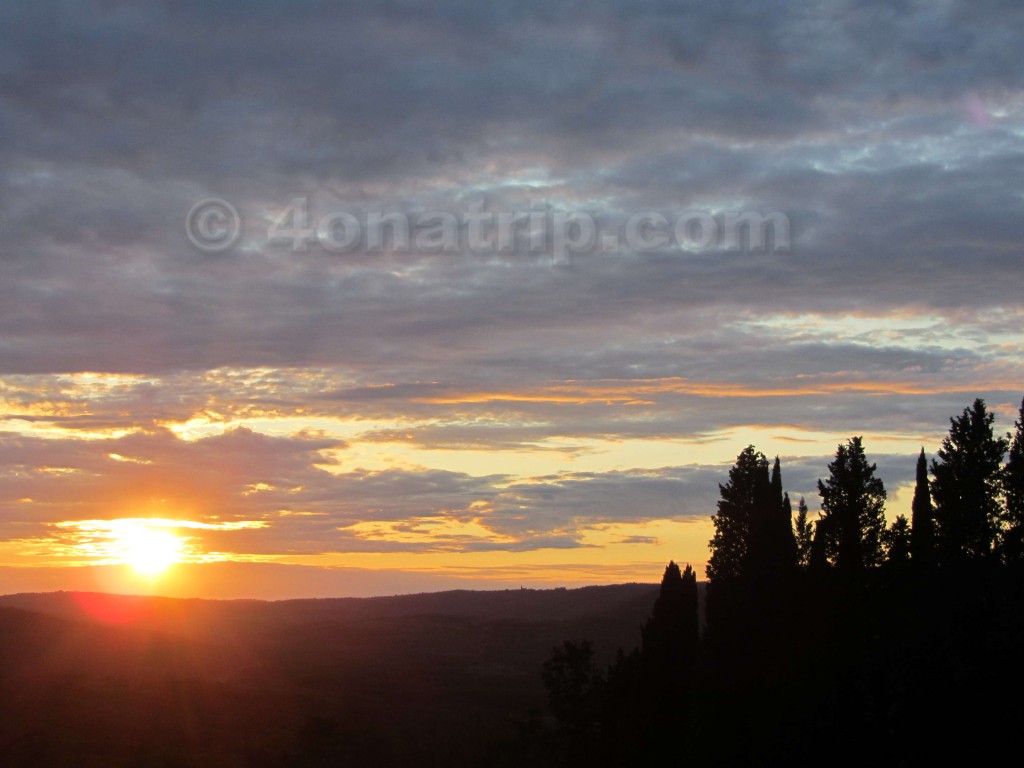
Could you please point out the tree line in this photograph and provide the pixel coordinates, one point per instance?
(970, 508)
(839, 639)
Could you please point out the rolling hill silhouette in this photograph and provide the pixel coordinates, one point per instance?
(90, 678)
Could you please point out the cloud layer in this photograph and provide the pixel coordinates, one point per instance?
(401, 402)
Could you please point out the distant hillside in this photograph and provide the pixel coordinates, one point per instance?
(610, 616)
(518, 603)
(625, 604)
(123, 673)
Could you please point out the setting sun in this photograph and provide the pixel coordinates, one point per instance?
(150, 551)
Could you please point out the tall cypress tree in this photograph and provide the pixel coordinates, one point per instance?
(817, 559)
(777, 481)
(782, 541)
(671, 634)
(803, 534)
(772, 548)
(853, 503)
(753, 528)
(922, 525)
(664, 676)
(691, 612)
(740, 509)
(753, 555)
(736, 549)
(1013, 493)
(787, 540)
(966, 487)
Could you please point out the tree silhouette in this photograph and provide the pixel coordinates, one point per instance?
(574, 684)
(896, 542)
(922, 525)
(866, 658)
(771, 551)
(803, 534)
(818, 561)
(671, 634)
(647, 692)
(691, 610)
(1013, 493)
(744, 500)
(853, 503)
(966, 487)
(782, 543)
(751, 574)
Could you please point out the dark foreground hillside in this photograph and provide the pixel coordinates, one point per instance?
(433, 679)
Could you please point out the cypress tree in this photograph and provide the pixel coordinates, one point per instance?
(922, 524)
(737, 549)
(691, 613)
(782, 542)
(803, 534)
(740, 510)
(1013, 493)
(671, 634)
(772, 548)
(853, 503)
(817, 560)
(668, 659)
(789, 548)
(966, 487)
(777, 481)
(897, 541)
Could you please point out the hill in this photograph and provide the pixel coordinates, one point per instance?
(100, 679)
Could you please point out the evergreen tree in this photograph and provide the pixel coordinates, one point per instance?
(671, 634)
(753, 527)
(803, 534)
(896, 540)
(777, 482)
(966, 487)
(781, 541)
(753, 556)
(818, 560)
(772, 548)
(737, 549)
(574, 686)
(787, 541)
(1013, 493)
(922, 527)
(853, 504)
(743, 500)
(691, 612)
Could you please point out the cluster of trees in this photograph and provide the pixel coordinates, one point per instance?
(971, 509)
(843, 635)
(625, 714)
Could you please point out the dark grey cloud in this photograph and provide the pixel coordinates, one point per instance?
(888, 132)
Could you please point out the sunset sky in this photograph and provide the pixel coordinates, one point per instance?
(267, 421)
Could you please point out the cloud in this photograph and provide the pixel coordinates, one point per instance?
(888, 134)
(285, 501)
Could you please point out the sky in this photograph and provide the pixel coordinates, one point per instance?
(280, 416)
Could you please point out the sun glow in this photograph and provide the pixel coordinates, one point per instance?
(147, 545)
(150, 551)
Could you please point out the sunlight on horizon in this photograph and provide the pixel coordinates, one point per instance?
(149, 546)
(151, 552)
